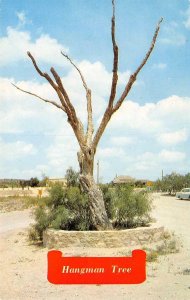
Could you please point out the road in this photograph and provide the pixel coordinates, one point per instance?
(174, 214)
(15, 220)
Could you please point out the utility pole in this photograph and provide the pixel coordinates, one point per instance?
(162, 174)
(98, 171)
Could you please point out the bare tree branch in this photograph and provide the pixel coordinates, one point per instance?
(108, 113)
(43, 99)
(65, 101)
(71, 113)
(134, 75)
(48, 78)
(69, 106)
(90, 129)
(115, 60)
(150, 49)
(78, 70)
(45, 75)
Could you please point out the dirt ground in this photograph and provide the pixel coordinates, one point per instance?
(24, 267)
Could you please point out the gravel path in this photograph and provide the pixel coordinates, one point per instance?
(174, 214)
(15, 220)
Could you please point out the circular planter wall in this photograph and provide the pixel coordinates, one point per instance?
(102, 239)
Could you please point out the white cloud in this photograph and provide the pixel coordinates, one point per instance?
(63, 152)
(122, 140)
(173, 138)
(109, 152)
(167, 121)
(172, 156)
(37, 171)
(149, 165)
(20, 112)
(17, 107)
(168, 114)
(21, 17)
(187, 21)
(124, 77)
(134, 116)
(14, 46)
(145, 161)
(177, 40)
(14, 150)
(159, 66)
(174, 111)
(172, 36)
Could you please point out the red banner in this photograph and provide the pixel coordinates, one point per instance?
(96, 270)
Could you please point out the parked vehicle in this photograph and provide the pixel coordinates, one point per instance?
(184, 194)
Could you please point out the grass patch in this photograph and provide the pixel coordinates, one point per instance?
(13, 203)
(186, 272)
(168, 245)
(152, 256)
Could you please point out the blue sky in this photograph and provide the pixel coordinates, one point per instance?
(149, 133)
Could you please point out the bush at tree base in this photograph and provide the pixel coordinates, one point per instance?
(68, 209)
(127, 208)
(72, 177)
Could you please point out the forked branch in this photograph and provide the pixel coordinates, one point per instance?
(66, 106)
(90, 126)
(48, 78)
(109, 112)
(133, 77)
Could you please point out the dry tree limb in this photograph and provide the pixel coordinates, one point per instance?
(90, 126)
(45, 75)
(108, 113)
(66, 106)
(39, 97)
(115, 60)
(77, 68)
(133, 77)
(48, 78)
(70, 110)
(69, 106)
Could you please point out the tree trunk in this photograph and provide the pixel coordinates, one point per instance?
(98, 213)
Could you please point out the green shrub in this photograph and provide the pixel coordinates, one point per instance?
(65, 209)
(72, 177)
(42, 219)
(57, 196)
(68, 209)
(108, 200)
(126, 207)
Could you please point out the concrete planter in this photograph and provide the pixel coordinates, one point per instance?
(102, 239)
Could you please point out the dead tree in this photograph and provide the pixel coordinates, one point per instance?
(87, 140)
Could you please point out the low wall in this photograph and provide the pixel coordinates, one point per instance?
(102, 239)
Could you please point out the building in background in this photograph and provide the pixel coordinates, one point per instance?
(132, 181)
(52, 181)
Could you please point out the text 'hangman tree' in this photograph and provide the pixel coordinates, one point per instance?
(88, 140)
